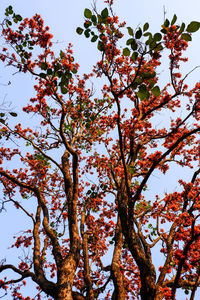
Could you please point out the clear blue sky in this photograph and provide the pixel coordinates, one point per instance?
(63, 17)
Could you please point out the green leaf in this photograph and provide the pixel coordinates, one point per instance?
(63, 89)
(18, 17)
(49, 71)
(193, 26)
(104, 13)
(94, 38)
(44, 66)
(13, 114)
(10, 10)
(156, 91)
(59, 74)
(2, 115)
(129, 41)
(126, 52)
(157, 37)
(87, 33)
(87, 24)
(64, 80)
(138, 80)
(182, 28)
(143, 92)
(152, 45)
(79, 30)
(163, 30)
(159, 47)
(100, 46)
(42, 75)
(87, 13)
(173, 21)
(74, 71)
(146, 27)
(186, 37)
(8, 22)
(134, 56)
(26, 55)
(94, 19)
(147, 34)
(2, 121)
(138, 34)
(166, 23)
(100, 20)
(130, 31)
(62, 54)
(148, 75)
(134, 45)
(151, 84)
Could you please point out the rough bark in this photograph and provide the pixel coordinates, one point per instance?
(87, 278)
(139, 250)
(119, 292)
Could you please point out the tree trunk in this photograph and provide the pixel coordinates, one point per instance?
(65, 293)
(66, 274)
(119, 291)
(159, 296)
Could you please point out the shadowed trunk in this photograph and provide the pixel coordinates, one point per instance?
(119, 292)
(139, 249)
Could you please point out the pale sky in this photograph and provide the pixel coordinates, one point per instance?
(63, 17)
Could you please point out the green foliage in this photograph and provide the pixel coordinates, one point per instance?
(126, 52)
(87, 24)
(79, 30)
(186, 37)
(153, 230)
(100, 46)
(134, 56)
(63, 89)
(42, 75)
(174, 19)
(42, 159)
(13, 114)
(94, 19)
(157, 37)
(9, 11)
(94, 38)
(143, 92)
(146, 27)
(147, 75)
(166, 23)
(156, 91)
(87, 33)
(130, 31)
(134, 45)
(182, 28)
(104, 13)
(129, 41)
(44, 66)
(16, 17)
(87, 13)
(138, 33)
(193, 27)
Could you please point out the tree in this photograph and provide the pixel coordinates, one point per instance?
(81, 177)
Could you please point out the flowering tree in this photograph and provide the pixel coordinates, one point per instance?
(81, 175)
